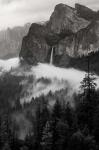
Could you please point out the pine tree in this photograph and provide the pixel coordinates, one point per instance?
(6, 147)
(88, 85)
(41, 118)
(4, 129)
(57, 110)
(69, 116)
(56, 116)
(63, 135)
(79, 141)
(37, 129)
(96, 124)
(90, 143)
(47, 137)
(88, 100)
(76, 141)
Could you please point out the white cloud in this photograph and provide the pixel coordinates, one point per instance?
(19, 12)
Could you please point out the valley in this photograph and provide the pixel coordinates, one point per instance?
(49, 82)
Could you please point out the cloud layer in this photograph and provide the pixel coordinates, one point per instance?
(19, 12)
(61, 78)
(43, 78)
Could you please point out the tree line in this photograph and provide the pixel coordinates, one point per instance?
(61, 127)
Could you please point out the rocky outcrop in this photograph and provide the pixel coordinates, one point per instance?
(68, 31)
(65, 18)
(11, 40)
(85, 12)
(34, 47)
(78, 44)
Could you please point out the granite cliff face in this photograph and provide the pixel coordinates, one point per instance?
(70, 31)
(86, 13)
(11, 40)
(34, 46)
(65, 18)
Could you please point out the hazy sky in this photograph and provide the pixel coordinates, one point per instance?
(19, 12)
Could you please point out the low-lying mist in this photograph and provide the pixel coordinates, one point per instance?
(6, 65)
(43, 78)
(48, 78)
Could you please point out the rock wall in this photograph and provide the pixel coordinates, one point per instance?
(70, 33)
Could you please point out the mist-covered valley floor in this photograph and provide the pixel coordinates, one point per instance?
(43, 78)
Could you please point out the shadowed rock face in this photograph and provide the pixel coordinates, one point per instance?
(69, 31)
(34, 46)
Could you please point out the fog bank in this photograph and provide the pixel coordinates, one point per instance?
(46, 78)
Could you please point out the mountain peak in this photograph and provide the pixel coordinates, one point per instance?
(70, 31)
(63, 6)
(64, 17)
(85, 12)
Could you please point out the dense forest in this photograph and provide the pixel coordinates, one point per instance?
(59, 126)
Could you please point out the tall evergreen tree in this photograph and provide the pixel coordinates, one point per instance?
(47, 137)
(88, 99)
(57, 111)
(42, 115)
(96, 123)
(63, 135)
(56, 116)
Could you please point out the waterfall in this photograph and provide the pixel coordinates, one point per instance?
(51, 58)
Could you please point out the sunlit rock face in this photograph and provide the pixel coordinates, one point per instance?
(68, 31)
